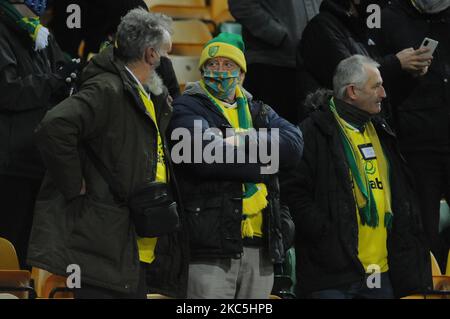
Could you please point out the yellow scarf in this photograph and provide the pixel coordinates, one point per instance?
(363, 193)
(146, 246)
(255, 195)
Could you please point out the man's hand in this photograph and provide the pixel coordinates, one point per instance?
(231, 140)
(69, 71)
(415, 62)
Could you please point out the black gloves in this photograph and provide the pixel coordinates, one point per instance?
(69, 71)
(69, 74)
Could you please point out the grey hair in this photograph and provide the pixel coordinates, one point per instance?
(351, 70)
(139, 30)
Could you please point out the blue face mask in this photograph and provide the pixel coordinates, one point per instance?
(221, 84)
(37, 6)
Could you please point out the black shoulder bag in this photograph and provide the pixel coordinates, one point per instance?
(152, 207)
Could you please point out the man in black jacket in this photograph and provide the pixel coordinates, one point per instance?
(358, 226)
(339, 31)
(31, 81)
(81, 217)
(421, 105)
(230, 192)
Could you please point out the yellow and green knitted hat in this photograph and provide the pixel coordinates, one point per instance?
(227, 45)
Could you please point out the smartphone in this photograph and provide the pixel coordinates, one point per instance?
(430, 44)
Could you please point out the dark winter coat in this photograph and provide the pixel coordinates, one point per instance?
(212, 193)
(332, 36)
(421, 105)
(28, 88)
(320, 196)
(93, 230)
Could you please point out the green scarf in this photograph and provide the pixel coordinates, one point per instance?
(37, 32)
(366, 203)
(254, 197)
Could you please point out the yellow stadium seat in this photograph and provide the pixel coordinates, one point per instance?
(440, 283)
(220, 12)
(8, 256)
(435, 269)
(186, 69)
(189, 37)
(447, 271)
(39, 277)
(157, 296)
(17, 283)
(55, 287)
(187, 9)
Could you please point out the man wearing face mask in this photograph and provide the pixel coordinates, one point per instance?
(237, 229)
(422, 104)
(33, 71)
(100, 146)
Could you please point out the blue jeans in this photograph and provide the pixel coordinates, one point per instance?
(358, 290)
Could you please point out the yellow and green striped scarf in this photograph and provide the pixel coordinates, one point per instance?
(32, 25)
(363, 193)
(254, 197)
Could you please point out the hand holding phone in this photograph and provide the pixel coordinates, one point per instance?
(429, 44)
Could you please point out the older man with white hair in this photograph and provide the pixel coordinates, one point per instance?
(359, 233)
(102, 147)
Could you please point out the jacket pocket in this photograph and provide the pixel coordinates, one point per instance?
(100, 231)
(203, 217)
(328, 252)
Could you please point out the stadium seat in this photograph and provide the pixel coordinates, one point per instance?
(39, 276)
(189, 37)
(16, 283)
(220, 12)
(181, 9)
(441, 283)
(8, 256)
(157, 296)
(55, 287)
(447, 271)
(186, 69)
(435, 269)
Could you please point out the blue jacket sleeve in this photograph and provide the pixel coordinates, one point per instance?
(289, 139)
(192, 138)
(275, 144)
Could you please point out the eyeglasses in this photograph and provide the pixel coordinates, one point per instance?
(225, 65)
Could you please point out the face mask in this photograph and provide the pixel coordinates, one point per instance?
(432, 6)
(37, 6)
(221, 84)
